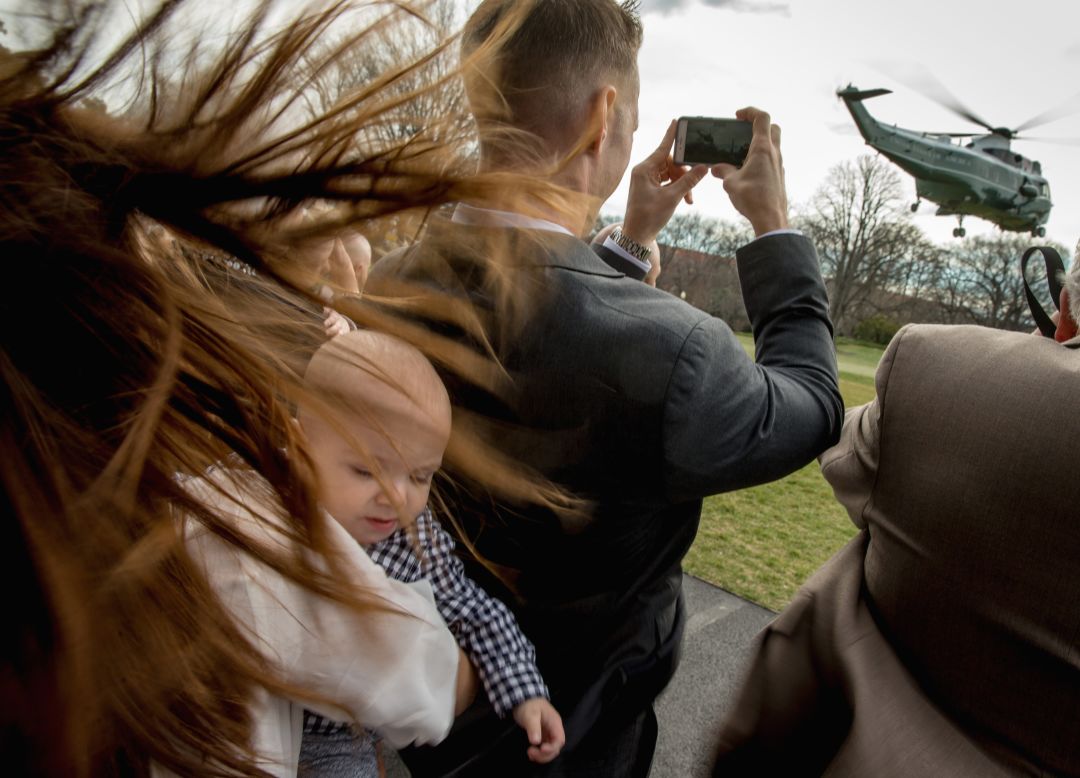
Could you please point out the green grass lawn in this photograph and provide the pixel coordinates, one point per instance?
(762, 543)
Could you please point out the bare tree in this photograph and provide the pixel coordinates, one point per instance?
(704, 235)
(984, 284)
(696, 254)
(864, 236)
(918, 274)
(950, 293)
(413, 67)
(695, 232)
(604, 220)
(413, 70)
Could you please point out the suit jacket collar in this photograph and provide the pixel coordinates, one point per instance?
(573, 254)
(535, 248)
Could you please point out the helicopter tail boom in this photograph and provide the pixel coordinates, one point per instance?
(851, 93)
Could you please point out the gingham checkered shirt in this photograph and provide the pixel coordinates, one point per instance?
(485, 628)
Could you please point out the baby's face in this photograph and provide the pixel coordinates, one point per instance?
(369, 495)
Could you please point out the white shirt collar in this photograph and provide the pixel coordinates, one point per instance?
(474, 216)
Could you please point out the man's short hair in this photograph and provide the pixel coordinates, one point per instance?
(547, 58)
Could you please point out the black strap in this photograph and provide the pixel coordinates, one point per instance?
(1055, 270)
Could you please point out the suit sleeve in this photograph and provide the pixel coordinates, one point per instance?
(851, 465)
(731, 422)
(617, 262)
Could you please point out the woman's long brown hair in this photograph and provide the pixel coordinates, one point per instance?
(134, 169)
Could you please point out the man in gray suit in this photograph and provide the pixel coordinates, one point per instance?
(621, 394)
(943, 640)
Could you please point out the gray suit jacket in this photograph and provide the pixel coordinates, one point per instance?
(945, 640)
(642, 404)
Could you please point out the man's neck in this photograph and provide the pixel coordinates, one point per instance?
(570, 209)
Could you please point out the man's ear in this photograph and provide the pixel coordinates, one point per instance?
(601, 114)
(1066, 327)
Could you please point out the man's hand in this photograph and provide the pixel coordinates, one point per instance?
(656, 186)
(757, 188)
(1066, 325)
(543, 726)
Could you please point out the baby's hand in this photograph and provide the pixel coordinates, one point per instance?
(334, 324)
(543, 726)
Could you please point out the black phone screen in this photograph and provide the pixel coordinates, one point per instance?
(710, 141)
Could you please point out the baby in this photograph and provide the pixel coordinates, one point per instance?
(375, 469)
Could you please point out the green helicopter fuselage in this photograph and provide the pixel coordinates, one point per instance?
(984, 178)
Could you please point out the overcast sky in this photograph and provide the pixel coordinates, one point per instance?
(1006, 61)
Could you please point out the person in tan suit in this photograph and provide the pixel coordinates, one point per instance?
(945, 638)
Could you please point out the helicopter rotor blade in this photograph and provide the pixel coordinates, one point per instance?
(1070, 106)
(1052, 141)
(925, 83)
(843, 128)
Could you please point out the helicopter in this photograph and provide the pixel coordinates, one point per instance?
(983, 178)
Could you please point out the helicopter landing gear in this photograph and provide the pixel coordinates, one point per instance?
(959, 231)
(1038, 232)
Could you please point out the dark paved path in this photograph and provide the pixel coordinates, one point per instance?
(720, 629)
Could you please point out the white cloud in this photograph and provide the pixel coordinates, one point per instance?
(738, 6)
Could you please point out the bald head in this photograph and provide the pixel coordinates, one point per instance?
(380, 376)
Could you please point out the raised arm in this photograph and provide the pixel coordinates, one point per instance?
(730, 422)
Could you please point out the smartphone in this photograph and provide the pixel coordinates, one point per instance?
(701, 140)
